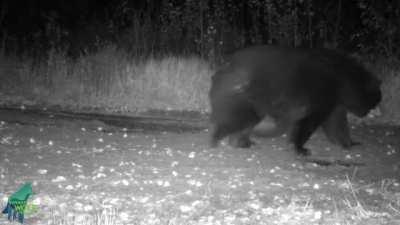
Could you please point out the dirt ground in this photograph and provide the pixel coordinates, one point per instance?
(155, 171)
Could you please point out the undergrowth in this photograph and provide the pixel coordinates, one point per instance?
(107, 80)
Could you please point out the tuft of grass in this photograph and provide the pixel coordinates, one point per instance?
(102, 217)
(389, 71)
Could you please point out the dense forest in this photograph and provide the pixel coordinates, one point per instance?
(207, 27)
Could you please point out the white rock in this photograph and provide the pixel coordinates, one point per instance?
(88, 208)
(185, 208)
(59, 179)
(124, 216)
(192, 155)
(125, 182)
(42, 171)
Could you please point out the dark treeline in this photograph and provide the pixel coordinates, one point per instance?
(207, 27)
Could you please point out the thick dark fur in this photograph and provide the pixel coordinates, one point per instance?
(336, 129)
(300, 89)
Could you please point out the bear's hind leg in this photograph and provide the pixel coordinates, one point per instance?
(303, 129)
(336, 128)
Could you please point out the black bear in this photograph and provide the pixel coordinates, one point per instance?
(300, 89)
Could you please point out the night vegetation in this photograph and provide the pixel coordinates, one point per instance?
(139, 55)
